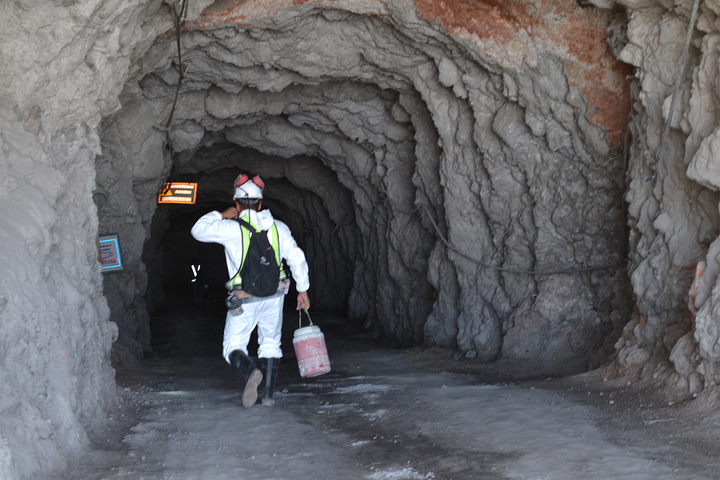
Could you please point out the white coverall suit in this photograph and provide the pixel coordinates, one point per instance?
(265, 313)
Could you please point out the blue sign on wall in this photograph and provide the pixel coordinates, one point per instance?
(110, 256)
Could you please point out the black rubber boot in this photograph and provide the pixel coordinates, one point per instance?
(250, 375)
(269, 368)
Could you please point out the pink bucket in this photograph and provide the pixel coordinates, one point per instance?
(311, 352)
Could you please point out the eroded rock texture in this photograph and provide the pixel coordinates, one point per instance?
(502, 122)
(62, 70)
(498, 144)
(673, 204)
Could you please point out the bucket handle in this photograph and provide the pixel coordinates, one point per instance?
(300, 317)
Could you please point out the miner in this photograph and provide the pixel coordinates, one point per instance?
(255, 245)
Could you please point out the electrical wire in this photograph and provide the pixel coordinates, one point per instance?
(179, 11)
(512, 270)
(678, 81)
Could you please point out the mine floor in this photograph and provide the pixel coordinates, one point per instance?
(383, 414)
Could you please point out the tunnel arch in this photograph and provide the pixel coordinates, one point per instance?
(412, 125)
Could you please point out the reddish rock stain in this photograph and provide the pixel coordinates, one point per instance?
(575, 35)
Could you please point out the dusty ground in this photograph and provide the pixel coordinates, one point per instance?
(385, 414)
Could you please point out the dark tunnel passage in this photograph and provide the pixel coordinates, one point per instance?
(329, 242)
(329, 250)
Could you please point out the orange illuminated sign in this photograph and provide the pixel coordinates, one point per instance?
(178, 192)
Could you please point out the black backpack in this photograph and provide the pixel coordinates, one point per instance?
(259, 271)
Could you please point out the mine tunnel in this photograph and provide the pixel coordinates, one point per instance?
(354, 149)
(519, 183)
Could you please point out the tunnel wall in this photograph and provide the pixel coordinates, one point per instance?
(130, 171)
(55, 377)
(498, 149)
(63, 67)
(674, 335)
(506, 121)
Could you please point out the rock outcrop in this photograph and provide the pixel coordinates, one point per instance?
(672, 197)
(63, 68)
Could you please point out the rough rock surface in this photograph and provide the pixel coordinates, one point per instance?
(501, 148)
(502, 122)
(62, 70)
(673, 204)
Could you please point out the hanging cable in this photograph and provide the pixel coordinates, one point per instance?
(678, 81)
(511, 270)
(179, 11)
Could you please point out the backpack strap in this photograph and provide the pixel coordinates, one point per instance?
(236, 281)
(247, 225)
(275, 242)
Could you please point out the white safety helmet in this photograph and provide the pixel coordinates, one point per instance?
(248, 190)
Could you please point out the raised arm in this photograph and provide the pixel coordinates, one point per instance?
(210, 228)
